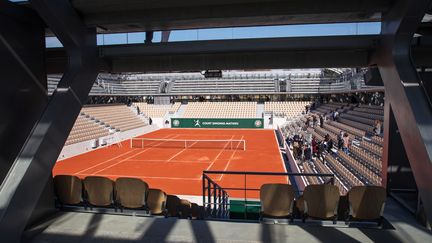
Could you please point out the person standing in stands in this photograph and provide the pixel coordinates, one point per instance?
(307, 109)
(340, 140)
(345, 146)
(150, 121)
(321, 118)
(138, 111)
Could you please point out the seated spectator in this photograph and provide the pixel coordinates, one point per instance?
(377, 127)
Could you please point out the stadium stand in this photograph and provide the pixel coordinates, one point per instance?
(220, 110)
(290, 109)
(119, 117)
(222, 86)
(85, 129)
(151, 110)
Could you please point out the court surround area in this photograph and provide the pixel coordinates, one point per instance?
(173, 160)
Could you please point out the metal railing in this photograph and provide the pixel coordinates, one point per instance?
(216, 199)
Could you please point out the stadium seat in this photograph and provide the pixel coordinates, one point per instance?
(99, 191)
(185, 209)
(172, 205)
(68, 189)
(276, 200)
(131, 192)
(321, 201)
(156, 201)
(197, 212)
(367, 202)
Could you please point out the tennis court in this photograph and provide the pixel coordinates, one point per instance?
(173, 159)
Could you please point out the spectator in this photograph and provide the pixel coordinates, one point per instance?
(340, 140)
(308, 153)
(138, 110)
(335, 115)
(150, 121)
(345, 146)
(307, 109)
(314, 147)
(377, 127)
(321, 121)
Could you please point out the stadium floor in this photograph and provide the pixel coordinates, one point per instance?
(178, 170)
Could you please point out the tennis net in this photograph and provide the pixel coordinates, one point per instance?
(187, 143)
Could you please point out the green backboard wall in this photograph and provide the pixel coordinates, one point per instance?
(217, 123)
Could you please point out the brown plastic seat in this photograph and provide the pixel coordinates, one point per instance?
(172, 205)
(367, 202)
(131, 192)
(276, 200)
(99, 190)
(321, 201)
(185, 209)
(197, 212)
(68, 189)
(156, 201)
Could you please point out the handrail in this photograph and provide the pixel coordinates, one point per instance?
(216, 198)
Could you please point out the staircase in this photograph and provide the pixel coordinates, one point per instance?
(260, 110)
(181, 110)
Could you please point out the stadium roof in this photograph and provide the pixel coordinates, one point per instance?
(111, 16)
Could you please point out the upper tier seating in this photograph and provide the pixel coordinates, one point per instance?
(220, 110)
(151, 110)
(85, 129)
(223, 86)
(118, 116)
(289, 109)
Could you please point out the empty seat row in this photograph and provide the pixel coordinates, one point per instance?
(322, 202)
(123, 193)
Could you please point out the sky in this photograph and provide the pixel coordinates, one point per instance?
(239, 33)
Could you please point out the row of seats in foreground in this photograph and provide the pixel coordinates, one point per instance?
(122, 194)
(366, 203)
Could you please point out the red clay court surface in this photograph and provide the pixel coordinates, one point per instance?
(179, 170)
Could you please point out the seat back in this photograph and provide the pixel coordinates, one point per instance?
(367, 202)
(197, 212)
(68, 189)
(276, 199)
(99, 190)
(185, 208)
(321, 201)
(131, 192)
(172, 205)
(156, 201)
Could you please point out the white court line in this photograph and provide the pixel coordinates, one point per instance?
(101, 163)
(217, 156)
(172, 161)
(227, 164)
(123, 160)
(150, 177)
(172, 157)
